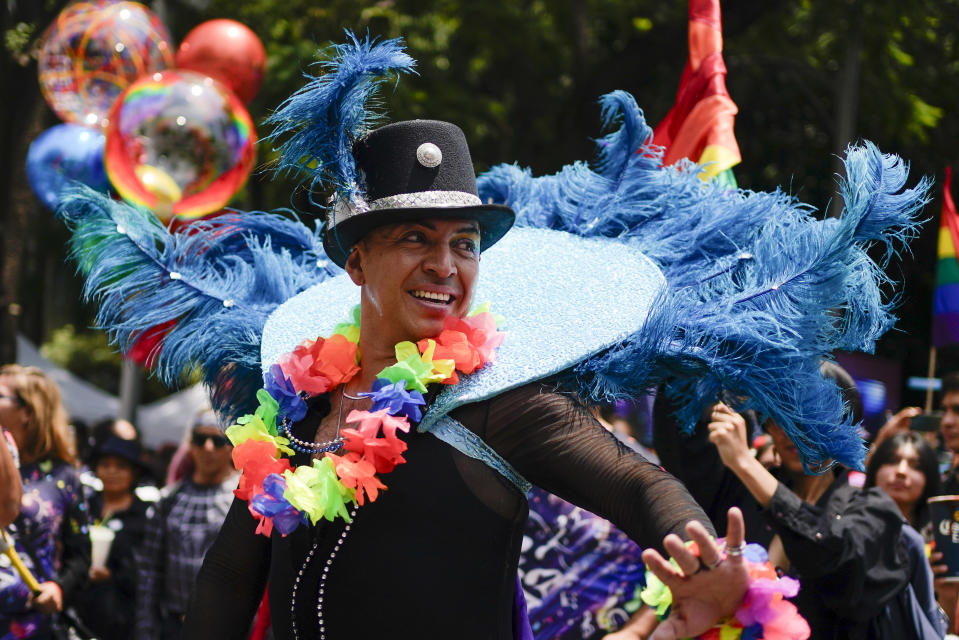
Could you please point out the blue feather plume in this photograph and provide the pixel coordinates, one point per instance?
(217, 280)
(759, 290)
(321, 120)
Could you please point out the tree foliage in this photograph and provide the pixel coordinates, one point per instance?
(522, 78)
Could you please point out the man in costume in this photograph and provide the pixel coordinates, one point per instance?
(386, 457)
(449, 526)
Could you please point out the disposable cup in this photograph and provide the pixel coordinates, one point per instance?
(101, 538)
(944, 512)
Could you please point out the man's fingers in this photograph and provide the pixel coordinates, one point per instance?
(661, 568)
(721, 407)
(688, 563)
(709, 551)
(735, 527)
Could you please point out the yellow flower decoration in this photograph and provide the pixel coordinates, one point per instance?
(656, 594)
(729, 632)
(316, 491)
(252, 427)
(417, 371)
(442, 369)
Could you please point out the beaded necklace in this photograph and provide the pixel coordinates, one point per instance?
(284, 497)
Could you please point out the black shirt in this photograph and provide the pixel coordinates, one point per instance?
(436, 554)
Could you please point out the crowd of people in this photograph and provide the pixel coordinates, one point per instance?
(856, 541)
(115, 550)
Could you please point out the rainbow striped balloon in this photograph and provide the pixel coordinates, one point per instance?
(179, 143)
(945, 308)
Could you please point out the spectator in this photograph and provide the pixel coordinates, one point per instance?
(106, 605)
(51, 531)
(907, 469)
(863, 571)
(118, 428)
(181, 528)
(949, 428)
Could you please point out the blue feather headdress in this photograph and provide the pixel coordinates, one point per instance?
(216, 281)
(320, 121)
(759, 290)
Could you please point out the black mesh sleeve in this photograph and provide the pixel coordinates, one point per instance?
(230, 584)
(559, 447)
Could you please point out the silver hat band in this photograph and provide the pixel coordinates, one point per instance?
(344, 208)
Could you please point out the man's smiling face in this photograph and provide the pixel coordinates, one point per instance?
(415, 274)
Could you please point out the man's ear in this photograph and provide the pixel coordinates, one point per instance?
(354, 266)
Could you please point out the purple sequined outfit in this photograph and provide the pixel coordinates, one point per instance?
(577, 570)
(53, 521)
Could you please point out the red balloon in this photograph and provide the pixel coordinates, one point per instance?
(228, 51)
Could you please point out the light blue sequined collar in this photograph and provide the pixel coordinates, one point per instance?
(564, 298)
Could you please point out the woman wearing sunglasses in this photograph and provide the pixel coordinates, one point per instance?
(181, 529)
(51, 530)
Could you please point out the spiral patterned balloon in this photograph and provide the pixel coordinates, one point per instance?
(95, 50)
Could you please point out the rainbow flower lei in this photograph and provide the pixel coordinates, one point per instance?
(283, 497)
(764, 614)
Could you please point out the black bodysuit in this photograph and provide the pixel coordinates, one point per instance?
(436, 554)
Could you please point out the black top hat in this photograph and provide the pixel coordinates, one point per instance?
(412, 170)
(128, 450)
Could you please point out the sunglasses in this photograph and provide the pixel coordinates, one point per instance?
(199, 440)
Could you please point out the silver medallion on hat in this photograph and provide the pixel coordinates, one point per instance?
(429, 155)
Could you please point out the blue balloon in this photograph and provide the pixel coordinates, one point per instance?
(63, 154)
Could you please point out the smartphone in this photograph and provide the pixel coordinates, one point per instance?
(926, 421)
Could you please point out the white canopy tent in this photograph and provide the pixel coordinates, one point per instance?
(160, 422)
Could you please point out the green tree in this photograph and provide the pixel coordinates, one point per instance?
(522, 79)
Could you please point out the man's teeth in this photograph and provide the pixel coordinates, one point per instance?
(429, 295)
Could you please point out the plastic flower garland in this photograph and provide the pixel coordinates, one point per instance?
(283, 497)
(764, 614)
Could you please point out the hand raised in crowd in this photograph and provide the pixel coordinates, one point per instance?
(705, 589)
(727, 430)
(898, 423)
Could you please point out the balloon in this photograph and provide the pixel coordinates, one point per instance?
(228, 51)
(62, 154)
(179, 143)
(93, 51)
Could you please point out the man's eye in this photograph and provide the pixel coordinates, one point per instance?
(467, 245)
(413, 236)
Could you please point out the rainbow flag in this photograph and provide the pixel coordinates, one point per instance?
(700, 124)
(945, 306)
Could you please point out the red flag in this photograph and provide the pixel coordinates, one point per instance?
(700, 124)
